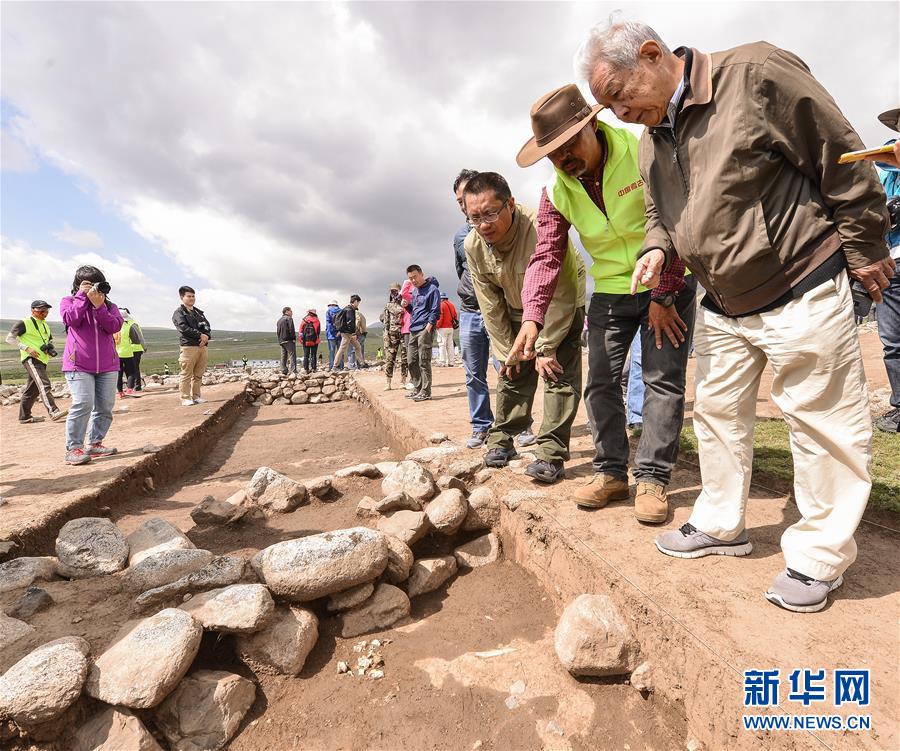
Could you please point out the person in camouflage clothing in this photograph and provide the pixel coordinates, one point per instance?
(391, 317)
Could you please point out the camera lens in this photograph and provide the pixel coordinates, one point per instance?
(103, 287)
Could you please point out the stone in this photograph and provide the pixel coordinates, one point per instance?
(447, 512)
(484, 510)
(366, 508)
(145, 660)
(284, 644)
(237, 609)
(90, 546)
(400, 560)
(478, 552)
(406, 526)
(150, 448)
(410, 478)
(33, 600)
(642, 677)
(438, 438)
(397, 502)
(593, 639)
(383, 609)
(483, 475)
(164, 568)
(11, 630)
(360, 470)
(349, 597)
(433, 454)
(46, 682)
(6, 546)
(319, 486)
(219, 572)
(466, 469)
(114, 729)
(206, 710)
(274, 492)
(214, 513)
(445, 482)
(329, 389)
(154, 536)
(386, 467)
(299, 397)
(515, 498)
(428, 574)
(318, 565)
(23, 572)
(266, 399)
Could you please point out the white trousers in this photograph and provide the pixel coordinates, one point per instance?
(819, 385)
(446, 355)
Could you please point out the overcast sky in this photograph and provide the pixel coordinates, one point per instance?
(291, 153)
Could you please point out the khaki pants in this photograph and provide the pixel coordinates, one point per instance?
(193, 362)
(819, 385)
(347, 341)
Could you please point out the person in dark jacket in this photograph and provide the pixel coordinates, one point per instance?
(426, 310)
(310, 331)
(346, 327)
(287, 338)
(331, 333)
(195, 333)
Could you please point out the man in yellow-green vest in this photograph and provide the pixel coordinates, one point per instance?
(35, 342)
(597, 189)
(129, 346)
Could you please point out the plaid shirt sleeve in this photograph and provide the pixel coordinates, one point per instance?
(545, 265)
(671, 280)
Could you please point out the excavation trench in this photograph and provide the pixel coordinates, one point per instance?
(473, 666)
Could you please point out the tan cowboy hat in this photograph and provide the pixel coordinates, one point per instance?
(891, 118)
(555, 118)
(395, 285)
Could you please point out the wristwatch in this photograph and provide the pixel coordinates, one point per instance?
(667, 301)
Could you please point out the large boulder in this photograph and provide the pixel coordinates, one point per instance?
(23, 572)
(206, 710)
(46, 682)
(165, 567)
(155, 536)
(400, 560)
(32, 600)
(383, 609)
(237, 609)
(219, 572)
(284, 644)
(360, 470)
(276, 493)
(484, 510)
(435, 454)
(593, 639)
(319, 486)
(114, 729)
(478, 552)
(318, 565)
(145, 660)
(406, 526)
(411, 478)
(211, 512)
(465, 469)
(90, 546)
(447, 512)
(397, 502)
(350, 597)
(12, 629)
(428, 574)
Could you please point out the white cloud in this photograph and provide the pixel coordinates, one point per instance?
(81, 238)
(15, 156)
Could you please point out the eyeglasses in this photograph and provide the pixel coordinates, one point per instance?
(561, 151)
(489, 218)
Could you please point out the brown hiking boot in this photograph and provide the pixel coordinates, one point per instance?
(601, 489)
(650, 503)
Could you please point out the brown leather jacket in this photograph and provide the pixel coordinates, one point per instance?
(747, 189)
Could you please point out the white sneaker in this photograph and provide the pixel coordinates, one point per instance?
(198, 400)
(187, 402)
(409, 386)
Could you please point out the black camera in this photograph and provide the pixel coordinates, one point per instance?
(862, 303)
(893, 207)
(103, 287)
(49, 349)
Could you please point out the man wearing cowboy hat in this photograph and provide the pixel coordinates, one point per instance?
(596, 188)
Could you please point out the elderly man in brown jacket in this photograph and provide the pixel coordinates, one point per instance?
(742, 182)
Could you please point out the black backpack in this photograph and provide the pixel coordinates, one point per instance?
(343, 322)
(309, 332)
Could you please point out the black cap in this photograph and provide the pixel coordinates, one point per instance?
(40, 304)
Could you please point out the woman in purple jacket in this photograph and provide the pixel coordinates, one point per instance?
(90, 363)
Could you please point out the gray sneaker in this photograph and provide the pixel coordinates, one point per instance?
(526, 438)
(477, 440)
(690, 542)
(802, 594)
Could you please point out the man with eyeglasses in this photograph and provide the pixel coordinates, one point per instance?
(597, 189)
(498, 252)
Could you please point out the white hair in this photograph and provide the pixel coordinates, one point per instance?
(615, 41)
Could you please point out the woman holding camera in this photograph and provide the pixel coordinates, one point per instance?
(90, 363)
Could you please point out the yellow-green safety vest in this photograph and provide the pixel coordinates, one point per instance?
(125, 348)
(37, 333)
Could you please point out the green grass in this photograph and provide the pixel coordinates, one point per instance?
(772, 459)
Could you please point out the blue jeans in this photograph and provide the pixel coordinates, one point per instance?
(93, 397)
(333, 345)
(634, 401)
(887, 314)
(475, 349)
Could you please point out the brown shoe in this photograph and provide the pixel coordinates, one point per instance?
(650, 503)
(601, 489)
